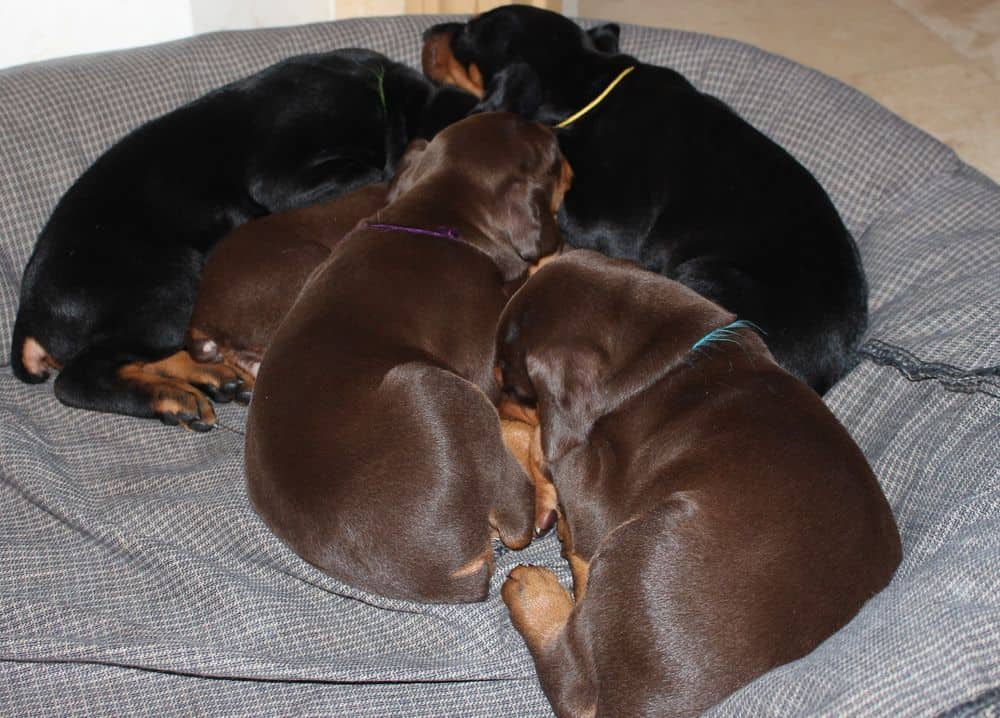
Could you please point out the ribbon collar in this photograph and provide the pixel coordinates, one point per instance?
(442, 232)
(596, 101)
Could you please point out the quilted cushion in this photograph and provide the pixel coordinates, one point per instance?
(135, 578)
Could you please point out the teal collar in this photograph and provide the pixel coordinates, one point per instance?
(727, 333)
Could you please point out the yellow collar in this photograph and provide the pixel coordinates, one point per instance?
(593, 103)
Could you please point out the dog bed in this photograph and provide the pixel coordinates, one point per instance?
(135, 578)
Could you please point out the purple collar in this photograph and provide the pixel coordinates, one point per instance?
(443, 232)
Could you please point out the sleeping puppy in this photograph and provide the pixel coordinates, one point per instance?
(717, 518)
(254, 274)
(373, 445)
(673, 179)
(108, 291)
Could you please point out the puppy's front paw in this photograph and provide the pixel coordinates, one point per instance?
(539, 606)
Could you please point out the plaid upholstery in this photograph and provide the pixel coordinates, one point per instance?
(136, 579)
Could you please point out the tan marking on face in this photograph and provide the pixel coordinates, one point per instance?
(441, 65)
(470, 80)
(562, 186)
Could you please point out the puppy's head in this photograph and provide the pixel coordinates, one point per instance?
(509, 176)
(508, 55)
(586, 332)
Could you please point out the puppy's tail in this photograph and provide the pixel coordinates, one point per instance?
(29, 360)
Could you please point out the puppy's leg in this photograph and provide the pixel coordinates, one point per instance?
(546, 500)
(513, 512)
(244, 364)
(101, 379)
(522, 436)
(542, 612)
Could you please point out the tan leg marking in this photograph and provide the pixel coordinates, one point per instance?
(579, 566)
(171, 399)
(539, 607)
(510, 409)
(36, 358)
(517, 438)
(474, 566)
(183, 368)
(581, 574)
(170, 385)
(546, 499)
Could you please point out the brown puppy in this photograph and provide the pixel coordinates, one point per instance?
(718, 519)
(254, 274)
(373, 446)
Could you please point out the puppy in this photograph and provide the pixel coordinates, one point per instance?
(373, 446)
(672, 179)
(254, 274)
(108, 292)
(717, 518)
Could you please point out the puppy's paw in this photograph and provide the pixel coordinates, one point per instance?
(169, 387)
(538, 604)
(177, 405)
(220, 380)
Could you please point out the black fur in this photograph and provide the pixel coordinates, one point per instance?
(114, 274)
(673, 179)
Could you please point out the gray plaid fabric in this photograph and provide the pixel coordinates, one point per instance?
(136, 579)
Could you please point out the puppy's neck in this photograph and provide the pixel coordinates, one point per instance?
(451, 204)
(574, 85)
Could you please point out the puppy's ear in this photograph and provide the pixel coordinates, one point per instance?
(567, 381)
(531, 206)
(605, 37)
(528, 223)
(407, 171)
(516, 88)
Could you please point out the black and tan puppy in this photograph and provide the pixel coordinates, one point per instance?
(673, 179)
(107, 294)
(718, 519)
(255, 273)
(373, 446)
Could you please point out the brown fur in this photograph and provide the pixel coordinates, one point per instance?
(373, 445)
(254, 274)
(720, 518)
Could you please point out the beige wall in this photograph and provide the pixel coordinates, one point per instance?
(40, 29)
(355, 8)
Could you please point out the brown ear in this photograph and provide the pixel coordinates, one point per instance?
(406, 170)
(529, 223)
(566, 380)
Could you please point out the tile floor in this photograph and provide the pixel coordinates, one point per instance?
(934, 62)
